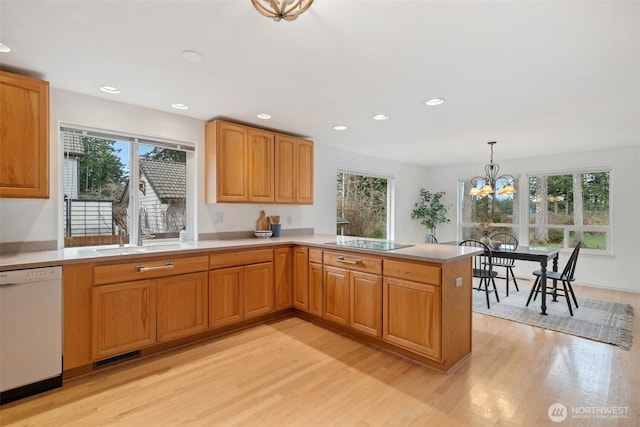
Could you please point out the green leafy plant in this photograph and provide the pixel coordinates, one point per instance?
(429, 210)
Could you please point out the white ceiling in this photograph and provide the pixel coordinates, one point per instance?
(539, 77)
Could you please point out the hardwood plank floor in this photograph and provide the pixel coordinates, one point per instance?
(293, 373)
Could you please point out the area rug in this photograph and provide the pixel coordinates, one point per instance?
(603, 321)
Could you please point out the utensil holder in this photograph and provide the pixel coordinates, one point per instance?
(275, 228)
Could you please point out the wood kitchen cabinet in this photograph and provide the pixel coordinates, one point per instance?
(123, 317)
(244, 164)
(24, 137)
(241, 286)
(181, 306)
(293, 170)
(137, 303)
(301, 278)
(353, 291)
(283, 277)
(336, 295)
(239, 160)
(412, 308)
(308, 280)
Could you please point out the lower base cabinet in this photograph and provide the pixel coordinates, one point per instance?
(240, 293)
(365, 300)
(412, 313)
(181, 306)
(123, 318)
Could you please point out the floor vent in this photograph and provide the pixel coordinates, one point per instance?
(116, 359)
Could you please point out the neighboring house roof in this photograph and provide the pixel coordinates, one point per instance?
(168, 179)
(73, 144)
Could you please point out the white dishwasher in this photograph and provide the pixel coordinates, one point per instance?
(30, 332)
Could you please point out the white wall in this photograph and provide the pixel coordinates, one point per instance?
(38, 220)
(617, 271)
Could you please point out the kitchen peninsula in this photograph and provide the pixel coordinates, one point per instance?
(410, 299)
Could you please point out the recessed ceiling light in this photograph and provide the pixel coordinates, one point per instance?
(380, 117)
(192, 56)
(435, 101)
(264, 116)
(4, 48)
(180, 106)
(109, 89)
(339, 127)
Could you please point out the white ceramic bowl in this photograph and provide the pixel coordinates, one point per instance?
(262, 234)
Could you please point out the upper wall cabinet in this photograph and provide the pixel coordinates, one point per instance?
(294, 170)
(250, 165)
(24, 137)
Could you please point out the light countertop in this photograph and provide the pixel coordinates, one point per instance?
(417, 251)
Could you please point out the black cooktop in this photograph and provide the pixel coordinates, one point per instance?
(377, 245)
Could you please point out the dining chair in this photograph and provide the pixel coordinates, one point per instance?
(430, 238)
(508, 243)
(483, 269)
(566, 277)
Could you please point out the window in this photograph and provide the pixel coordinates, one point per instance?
(101, 171)
(362, 205)
(568, 207)
(493, 213)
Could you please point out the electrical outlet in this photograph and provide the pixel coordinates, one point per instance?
(458, 282)
(289, 219)
(219, 218)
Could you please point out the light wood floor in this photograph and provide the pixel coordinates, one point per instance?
(293, 373)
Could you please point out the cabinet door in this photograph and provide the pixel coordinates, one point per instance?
(366, 303)
(225, 296)
(301, 278)
(315, 289)
(123, 318)
(181, 306)
(258, 289)
(304, 172)
(24, 137)
(336, 295)
(285, 178)
(260, 168)
(411, 316)
(283, 268)
(231, 154)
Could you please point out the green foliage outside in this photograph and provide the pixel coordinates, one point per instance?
(362, 201)
(100, 171)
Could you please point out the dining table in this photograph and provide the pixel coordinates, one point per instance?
(539, 254)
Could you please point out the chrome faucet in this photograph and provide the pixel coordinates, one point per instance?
(143, 218)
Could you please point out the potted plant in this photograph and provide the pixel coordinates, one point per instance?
(429, 210)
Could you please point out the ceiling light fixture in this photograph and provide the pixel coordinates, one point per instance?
(339, 127)
(434, 101)
(4, 48)
(289, 10)
(192, 56)
(381, 117)
(264, 116)
(109, 89)
(485, 186)
(179, 106)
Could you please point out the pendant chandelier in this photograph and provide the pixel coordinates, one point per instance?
(288, 10)
(486, 186)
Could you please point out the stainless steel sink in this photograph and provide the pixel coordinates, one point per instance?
(128, 250)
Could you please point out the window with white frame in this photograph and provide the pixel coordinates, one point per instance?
(567, 207)
(485, 215)
(117, 184)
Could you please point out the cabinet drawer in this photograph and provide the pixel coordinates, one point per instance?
(148, 268)
(232, 259)
(422, 273)
(315, 255)
(356, 262)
